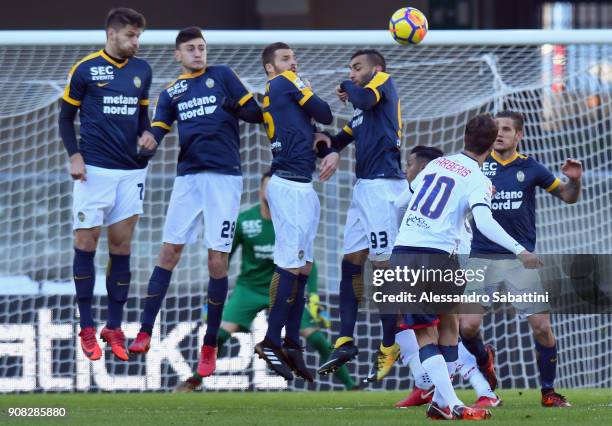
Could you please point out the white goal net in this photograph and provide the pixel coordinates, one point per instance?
(564, 90)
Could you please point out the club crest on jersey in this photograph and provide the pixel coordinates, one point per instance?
(520, 176)
(299, 83)
(210, 83)
(81, 216)
(301, 254)
(137, 82)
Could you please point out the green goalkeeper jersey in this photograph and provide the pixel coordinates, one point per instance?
(256, 237)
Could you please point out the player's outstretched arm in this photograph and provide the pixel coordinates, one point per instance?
(570, 191)
(363, 98)
(483, 218)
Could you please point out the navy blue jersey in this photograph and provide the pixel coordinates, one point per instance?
(288, 126)
(109, 95)
(377, 132)
(209, 137)
(514, 202)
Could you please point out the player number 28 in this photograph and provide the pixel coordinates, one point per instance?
(228, 229)
(434, 197)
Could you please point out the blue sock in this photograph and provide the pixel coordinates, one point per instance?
(350, 284)
(389, 328)
(451, 356)
(117, 287)
(281, 289)
(476, 347)
(156, 291)
(428, 351)
(217, 292)
(294, 320)
(547, 364)
(84, 273)
(450, 353)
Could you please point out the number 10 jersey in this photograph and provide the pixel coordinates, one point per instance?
(442, 195)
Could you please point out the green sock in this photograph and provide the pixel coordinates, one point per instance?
(222, 337)
(318, 341)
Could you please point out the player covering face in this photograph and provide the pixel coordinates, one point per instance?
(289, 106)
(206, 101)
(371, 223)
(111, 89)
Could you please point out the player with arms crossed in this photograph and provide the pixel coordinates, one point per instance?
(516, 178)
(255, 235)
(422, 392)
(111, 90)
(444, 193)
(289, 105)
(372, 218)
(206, 101)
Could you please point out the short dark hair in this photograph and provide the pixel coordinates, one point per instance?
(267, 54)
(517, 118)
(266, 175)
(480, 133)
(187, 34)
(120, 17)
(374, 57)
(428, 153)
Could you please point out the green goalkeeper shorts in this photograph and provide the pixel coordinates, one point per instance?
(244, 305)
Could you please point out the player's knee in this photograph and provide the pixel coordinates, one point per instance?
(380, 264)
(122, 247)
(356, 258)
(469, 325)
(170, 255)
(306, 269)
(542, 332)
(217, 264)
(86, 239)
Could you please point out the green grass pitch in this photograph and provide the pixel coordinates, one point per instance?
(593, 406)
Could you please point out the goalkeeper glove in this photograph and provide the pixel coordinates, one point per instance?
(317, 312)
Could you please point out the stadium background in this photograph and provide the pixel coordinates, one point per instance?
(36, 310)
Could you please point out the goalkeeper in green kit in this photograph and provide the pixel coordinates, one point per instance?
(254, 232)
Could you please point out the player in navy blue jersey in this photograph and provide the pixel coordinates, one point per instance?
(516, 177)
(372, 218)
(207, 102)
(289, 105)
(110, 88)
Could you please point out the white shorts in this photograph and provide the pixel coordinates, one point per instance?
(206, 198)
(372, 218)
(516, 280)
(295, 213)
(107, 196)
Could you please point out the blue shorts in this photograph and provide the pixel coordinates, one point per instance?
(416, 321)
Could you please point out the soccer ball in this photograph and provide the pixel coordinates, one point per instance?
(408, 26)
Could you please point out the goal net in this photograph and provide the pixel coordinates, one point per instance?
(563, 89)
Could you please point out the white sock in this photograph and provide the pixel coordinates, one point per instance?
(437, 398)
(421, 379)
(470, 372)
(435, 367)
(452, 369)
(408, 345)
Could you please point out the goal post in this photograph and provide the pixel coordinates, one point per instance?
(560, 80)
